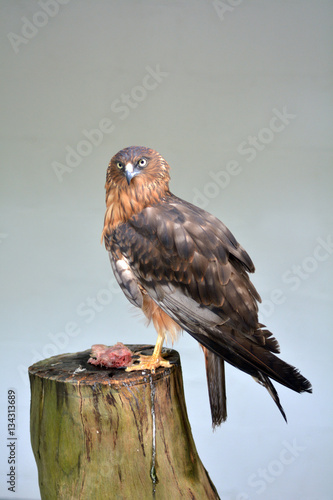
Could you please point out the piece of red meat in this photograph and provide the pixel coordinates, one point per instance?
(116, 356)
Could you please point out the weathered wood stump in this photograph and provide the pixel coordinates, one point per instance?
(100, 433)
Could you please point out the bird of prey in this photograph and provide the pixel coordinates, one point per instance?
(186, 271)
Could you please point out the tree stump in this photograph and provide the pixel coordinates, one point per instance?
(101, 433)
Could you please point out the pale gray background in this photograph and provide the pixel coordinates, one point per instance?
(223, 77)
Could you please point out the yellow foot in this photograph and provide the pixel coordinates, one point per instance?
(150, 363)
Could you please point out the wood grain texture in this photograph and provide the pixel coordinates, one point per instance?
(108, 433)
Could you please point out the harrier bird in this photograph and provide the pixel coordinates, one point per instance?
(186, 271)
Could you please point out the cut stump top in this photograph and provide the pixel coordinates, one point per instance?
(74, 368)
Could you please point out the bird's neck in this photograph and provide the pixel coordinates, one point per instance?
(123, 203)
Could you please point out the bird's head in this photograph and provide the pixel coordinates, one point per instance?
(136, 167)
(136, 178)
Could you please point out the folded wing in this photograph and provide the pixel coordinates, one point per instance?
(194, 269)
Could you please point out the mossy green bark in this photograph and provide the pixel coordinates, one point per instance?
(110, 434)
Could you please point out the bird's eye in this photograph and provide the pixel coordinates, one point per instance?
(142, 163)
(119, 165)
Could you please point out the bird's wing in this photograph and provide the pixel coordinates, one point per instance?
(189, 261)
(194, 269)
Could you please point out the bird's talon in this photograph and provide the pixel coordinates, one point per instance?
(149, 363)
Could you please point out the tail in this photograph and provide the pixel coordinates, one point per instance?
(216, 387)
(251, 357)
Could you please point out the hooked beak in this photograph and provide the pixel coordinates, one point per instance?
(129, 172)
